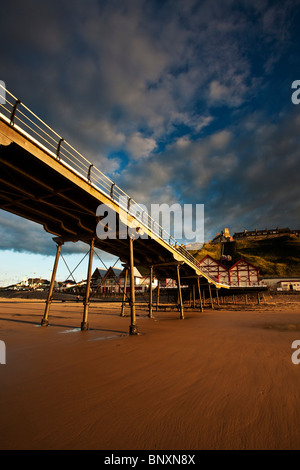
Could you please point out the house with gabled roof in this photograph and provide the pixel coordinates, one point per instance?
(243, 274)
(112, 280)
(141, 282)
(214, 269)
(106, 280)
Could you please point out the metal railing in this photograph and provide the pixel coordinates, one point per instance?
(26, 122)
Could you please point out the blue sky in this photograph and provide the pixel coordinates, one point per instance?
(177, 101)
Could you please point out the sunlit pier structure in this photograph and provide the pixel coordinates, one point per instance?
(44, 179)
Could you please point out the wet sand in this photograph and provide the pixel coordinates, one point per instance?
(221, 379)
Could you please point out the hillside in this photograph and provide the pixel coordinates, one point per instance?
(275, 257)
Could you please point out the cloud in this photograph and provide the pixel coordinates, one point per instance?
(182, 172)
(139, 66)
(162, 96)
(23, 235)
(217, 91)
(140, 146)
(262, 190)
(220, 139)
(245, 178)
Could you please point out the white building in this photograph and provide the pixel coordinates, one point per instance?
(282, 283)
(288, 285)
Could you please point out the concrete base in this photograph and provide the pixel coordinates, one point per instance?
(84, 326)
(133, 330)
(44, 322)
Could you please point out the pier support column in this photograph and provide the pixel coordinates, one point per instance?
(133, 328)
(157, 297)
(194, 297)
(45, 320)
(84, 323)
(150, 292)
(258, 298)
(179, 293)
(210, 296)
(217, 295)
(200, 297)
(124, 293)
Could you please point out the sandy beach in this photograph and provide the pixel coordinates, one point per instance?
(221, 379)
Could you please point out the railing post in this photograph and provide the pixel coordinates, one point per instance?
(112, 191)
(89, 172)
(12, 116)
(58, 148)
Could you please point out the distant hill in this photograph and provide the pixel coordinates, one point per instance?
(275, 257)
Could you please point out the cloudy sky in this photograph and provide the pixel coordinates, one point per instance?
(177, 101)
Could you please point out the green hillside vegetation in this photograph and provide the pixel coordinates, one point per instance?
(212, 249)
(275, 257)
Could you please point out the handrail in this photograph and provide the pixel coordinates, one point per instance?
(21, 117)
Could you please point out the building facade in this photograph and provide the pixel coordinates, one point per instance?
(214, 269)
(288, 285)
(266, 233)
(241, 274)
(112, 281)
